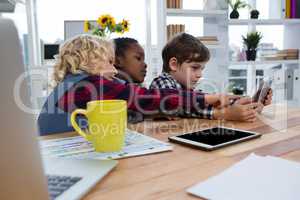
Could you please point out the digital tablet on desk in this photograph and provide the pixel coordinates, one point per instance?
(214, 138)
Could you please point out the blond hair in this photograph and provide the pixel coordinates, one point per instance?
(74, 55)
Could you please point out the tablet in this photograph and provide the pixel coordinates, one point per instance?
(214, 138)
(262, 91)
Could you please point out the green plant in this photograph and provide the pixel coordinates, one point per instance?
(252, 40)
(237, 4)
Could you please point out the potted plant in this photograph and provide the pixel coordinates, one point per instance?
(254, 14)
(251, 42)
(237, 90)
(235, 5)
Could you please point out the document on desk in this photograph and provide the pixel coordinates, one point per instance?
(255, 177)
(77, 147)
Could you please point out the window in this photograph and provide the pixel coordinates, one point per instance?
(272, 34)
(20, 19)
(52, 13)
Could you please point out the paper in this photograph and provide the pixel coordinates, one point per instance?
(77, 147)
(255, 177)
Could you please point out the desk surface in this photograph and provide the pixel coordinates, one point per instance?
(168, 175)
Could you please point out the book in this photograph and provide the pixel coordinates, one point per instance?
(207, 38)
(293, 8)
(288, 9)
(173, 29)
(297, 7)
(174, 4)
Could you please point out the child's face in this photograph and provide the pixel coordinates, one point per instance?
(133, 63)
(188, 73)
(103, 67)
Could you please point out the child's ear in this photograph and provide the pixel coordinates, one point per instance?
(118, 61)
(173, 64)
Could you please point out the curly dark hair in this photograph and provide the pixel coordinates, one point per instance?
(122, 44)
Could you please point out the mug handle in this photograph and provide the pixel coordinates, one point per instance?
(75, 125)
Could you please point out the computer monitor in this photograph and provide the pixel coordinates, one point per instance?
(49, 51)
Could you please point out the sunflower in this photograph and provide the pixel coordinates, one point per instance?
(111, 22)
(102, 20)
(86, 26)
(125, 25)
(106, 20)
(106, 25)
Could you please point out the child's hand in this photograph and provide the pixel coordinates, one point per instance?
(221, 100)
(237, 112)
(164, 117)
(248, 100)
(244, 101)
(268, 99)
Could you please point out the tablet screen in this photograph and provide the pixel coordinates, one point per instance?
(215, 136)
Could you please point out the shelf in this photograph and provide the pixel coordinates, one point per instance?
(264, 62)
(259, 65)
(194, 13)
(214, 46)
(263, 21)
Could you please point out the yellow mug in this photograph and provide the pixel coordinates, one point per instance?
(107, 121)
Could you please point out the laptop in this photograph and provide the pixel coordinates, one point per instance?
(24, 174)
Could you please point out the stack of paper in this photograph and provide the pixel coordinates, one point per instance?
(77, 147)
(256, 177)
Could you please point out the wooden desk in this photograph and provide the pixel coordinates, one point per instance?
(168, 175)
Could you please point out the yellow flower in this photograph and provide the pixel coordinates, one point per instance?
(86, 26)
(106, 26)
(106, 20)
(125, 25)
(102, 20)
(112, 22)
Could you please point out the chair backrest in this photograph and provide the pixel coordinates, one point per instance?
(53, 120)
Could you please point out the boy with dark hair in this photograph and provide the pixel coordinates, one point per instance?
(184, 58)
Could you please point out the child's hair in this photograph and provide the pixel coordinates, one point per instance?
(185, 48)
(122, 44)
(75, 53)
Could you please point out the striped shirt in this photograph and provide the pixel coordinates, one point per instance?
(166, 81)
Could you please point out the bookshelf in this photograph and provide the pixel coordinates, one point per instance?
(217, 23)
(213, 25)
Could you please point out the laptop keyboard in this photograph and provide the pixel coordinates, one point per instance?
(58, 184)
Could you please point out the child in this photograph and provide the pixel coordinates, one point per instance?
(84, 72)
(130, 60)
(184, 58)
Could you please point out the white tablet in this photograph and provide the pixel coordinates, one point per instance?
(214, 138)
